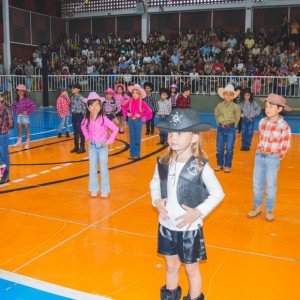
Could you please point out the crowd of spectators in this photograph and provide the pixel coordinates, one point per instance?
(183, 57)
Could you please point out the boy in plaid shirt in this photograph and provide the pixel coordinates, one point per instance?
(274, 142)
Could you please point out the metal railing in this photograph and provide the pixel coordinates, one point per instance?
(200, 85)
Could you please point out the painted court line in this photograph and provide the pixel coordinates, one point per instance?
(32, 175)
(18, 180)
(45, 171)
(36, 284)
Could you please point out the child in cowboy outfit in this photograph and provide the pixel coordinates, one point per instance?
(227, 115)
(63, 109)
(184, 189)
(23, 107)
(121, 98)
(152, 103)
(274, 142)
(111, 106)
(137, 111)
(249, 110)
(95, 128)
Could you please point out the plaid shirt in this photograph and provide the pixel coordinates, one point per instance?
(165, 107)
(77, 105)
(274, 137)
(23, 104)
(183, 102)
(6, 120)
(62, 105)
(111, 107)
(151, 102)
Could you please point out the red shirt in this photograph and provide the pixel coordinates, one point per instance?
(183, 102)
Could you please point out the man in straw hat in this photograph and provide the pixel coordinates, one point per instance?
(274, 142)
(227, 115)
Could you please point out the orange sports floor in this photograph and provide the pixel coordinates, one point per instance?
(53, 231)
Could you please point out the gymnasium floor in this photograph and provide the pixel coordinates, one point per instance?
(58, 243)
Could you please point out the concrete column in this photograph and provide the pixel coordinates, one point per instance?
(145, 22)
(6, 33)
(248, 15)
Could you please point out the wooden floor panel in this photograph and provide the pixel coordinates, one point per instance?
(53, 231)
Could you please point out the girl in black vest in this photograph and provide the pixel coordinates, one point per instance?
(184, 190)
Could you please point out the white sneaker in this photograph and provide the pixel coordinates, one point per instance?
(18, 143)
(104, 195)
(94, 194)
(27, 145)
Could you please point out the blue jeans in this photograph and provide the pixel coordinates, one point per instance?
(4, 153)
(225, 141)
(247, 131)
(63, 121)
(135, 133)
(163, 133)
(98, 153)
(265, 172)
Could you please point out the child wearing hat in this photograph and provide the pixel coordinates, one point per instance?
(95, 128)
(249, 110)
(274, 142)
(121, 97)
(23, 107)
(184, 189)
(78, 110)
(6, 125)
(164, 110)
(110, 106)
(227, 115)
(137, 111)
(63, 110)
(152, 103)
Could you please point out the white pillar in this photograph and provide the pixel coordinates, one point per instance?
(249, 15)
(6, 33)
(145, 23)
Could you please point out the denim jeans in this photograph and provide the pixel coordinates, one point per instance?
(98, 153)
(4, 153)
(265, 172)
(247, 131)
(225, 141)
(63, 121)
(163, 133)
(76, 122)
(150, 124)
(135, 133)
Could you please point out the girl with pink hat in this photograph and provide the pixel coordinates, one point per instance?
(95, 127)
(23, 107)
(121, 98)
(136, 110)
(110, 106)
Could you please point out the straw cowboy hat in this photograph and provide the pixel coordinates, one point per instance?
(137, 87)
(228, 88)
(120, 85)
(277, 100)
(183, 120)
(93, 96)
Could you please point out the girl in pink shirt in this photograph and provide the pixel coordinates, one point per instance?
(137, 111)
(95, 128)
(121, 98)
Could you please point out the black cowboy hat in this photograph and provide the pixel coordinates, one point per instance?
(183, 120)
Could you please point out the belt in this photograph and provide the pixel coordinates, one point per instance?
(227, 125)
(77, 114)
(268, 152)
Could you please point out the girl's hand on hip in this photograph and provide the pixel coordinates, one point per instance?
(191, 215)
(161, 207)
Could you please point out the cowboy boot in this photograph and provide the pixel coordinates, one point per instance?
(188, 297)
(166, 294)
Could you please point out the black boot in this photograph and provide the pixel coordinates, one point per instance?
(166, 294)
(59, 135)
(188, 297)
(67, 134)
(147, 131)
(161, 140)
(81, 150)
(75, 149)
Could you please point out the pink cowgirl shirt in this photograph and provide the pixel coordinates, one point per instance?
(137, 106)
(96, 131)
(121, 99)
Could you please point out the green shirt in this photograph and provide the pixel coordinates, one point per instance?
(227, 113)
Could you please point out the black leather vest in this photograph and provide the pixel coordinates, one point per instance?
(190, 189)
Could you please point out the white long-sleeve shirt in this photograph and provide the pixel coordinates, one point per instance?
(174, 209)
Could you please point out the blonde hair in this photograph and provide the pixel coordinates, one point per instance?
(196, 148)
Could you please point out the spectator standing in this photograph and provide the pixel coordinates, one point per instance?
(29, 72)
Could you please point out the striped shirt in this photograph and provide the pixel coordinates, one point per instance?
(164, 107)
(23, 105)
(274, 137)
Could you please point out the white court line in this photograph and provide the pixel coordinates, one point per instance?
(32, 175)
(45, 171)
(67, 164)
(17, 180)
(56, 168)
(47, 287)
